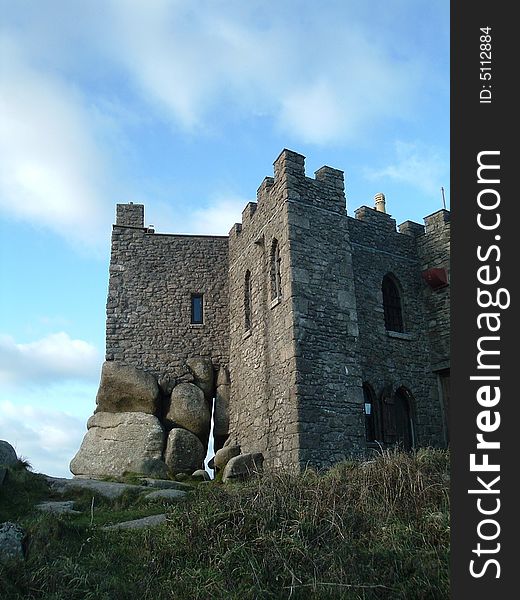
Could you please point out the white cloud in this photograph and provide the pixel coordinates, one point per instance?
(218, 217)
(51, 169)
(52, 358)
(76, 79)
(319, 83)
(416, 165)
(47, 438)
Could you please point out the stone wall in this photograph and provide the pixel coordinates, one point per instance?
(389, 359)
(152, 278)
(434, 252)
(263, 407)
(296, 392)
(329, 394)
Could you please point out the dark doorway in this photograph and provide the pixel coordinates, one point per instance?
(404, 429)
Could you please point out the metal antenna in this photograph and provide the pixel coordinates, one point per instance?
(443, 198)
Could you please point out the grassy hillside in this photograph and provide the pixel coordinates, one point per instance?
(368, 530)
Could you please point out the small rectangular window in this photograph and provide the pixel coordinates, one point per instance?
(197, 312)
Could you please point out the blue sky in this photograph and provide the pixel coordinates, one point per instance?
(183, 106)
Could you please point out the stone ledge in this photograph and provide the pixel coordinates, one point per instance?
(398, 335)
(275, 302)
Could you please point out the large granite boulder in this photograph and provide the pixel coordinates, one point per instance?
(120, 443)
(188, 409)
(8, 456)
(126, 389)
(184, 452)
(224, 455)
(203, 376)
(243, 466)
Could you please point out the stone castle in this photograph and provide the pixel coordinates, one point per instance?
(328, 334)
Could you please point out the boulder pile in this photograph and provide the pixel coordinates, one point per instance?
(149, 426)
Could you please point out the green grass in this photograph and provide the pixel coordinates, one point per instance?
(376, 530)
(20, 491)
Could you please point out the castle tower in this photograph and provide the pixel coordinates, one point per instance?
(296, 390)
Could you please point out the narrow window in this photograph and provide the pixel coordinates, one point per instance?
(276, 277)
(370, 416)
(247, 301)
(392, 305)
(197, 309)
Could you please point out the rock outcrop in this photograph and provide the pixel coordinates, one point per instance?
(8, 456)
(8, 459)
(119, 443)
(135, 411)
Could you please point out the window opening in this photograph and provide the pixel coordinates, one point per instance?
(247, 301)
(197, 309)
(392, 305)
(276, 277)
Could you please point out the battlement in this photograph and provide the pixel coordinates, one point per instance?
(325, 191)
(289, 168)
(436, 220)
(382, 221)
(411, 228)
(372, 216)
(130, 215)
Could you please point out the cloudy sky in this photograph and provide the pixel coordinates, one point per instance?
(183, 106)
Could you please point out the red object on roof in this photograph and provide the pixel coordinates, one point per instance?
(436, 278)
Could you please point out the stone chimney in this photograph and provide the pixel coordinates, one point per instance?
(380, 202)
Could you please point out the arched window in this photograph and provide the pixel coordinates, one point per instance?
(248, 308)
(370, 409)
(392, 304)
(276, 278)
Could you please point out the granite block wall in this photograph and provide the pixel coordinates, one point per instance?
(263, 411)
(434, 252)
(152, 278)
(296, 388)
(328, 383)
(391, 360)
